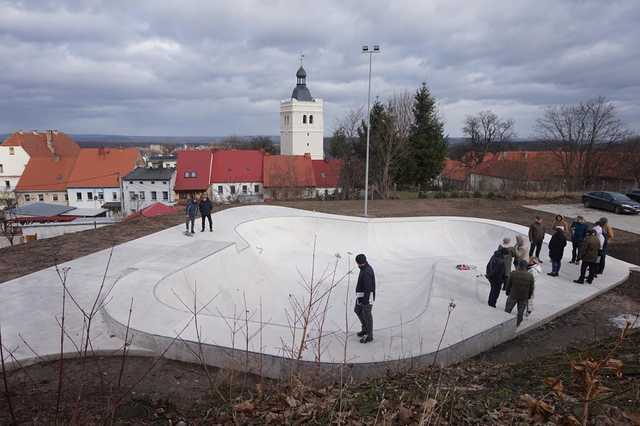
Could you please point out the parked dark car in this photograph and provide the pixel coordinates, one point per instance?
(614, 201)
(634, 195)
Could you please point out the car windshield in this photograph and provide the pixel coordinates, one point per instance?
(619, 197)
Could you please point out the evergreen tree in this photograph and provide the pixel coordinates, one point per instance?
(427, 144)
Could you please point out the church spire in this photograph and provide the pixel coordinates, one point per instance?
(301, 92)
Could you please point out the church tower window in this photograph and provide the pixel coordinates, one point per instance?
(304, 119)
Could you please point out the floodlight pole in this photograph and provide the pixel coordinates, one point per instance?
(370, 52)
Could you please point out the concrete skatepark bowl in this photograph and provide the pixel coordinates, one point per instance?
(250, 280)
(246, 280)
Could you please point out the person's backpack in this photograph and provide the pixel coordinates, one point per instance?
(495, 267)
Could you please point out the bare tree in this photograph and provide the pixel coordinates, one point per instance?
(348, 125)
(392, 140)
(579, 135)
(8, 225)
(344, 146)
(630, 158)
(487, 133)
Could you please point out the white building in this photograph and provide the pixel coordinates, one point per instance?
(95, 179)
(301, 122)
(236, 174)
(13, 160)
(145, 186)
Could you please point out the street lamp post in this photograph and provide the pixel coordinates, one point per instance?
(370, 52)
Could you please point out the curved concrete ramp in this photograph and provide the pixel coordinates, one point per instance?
(250, 284)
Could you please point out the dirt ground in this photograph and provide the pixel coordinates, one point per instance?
(484, 390)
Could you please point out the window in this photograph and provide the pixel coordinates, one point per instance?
(165, 195)
(66, 197)
(164, 182)
(12, 151)
(142, 195)
(40, 197)
(27, 197)
(1, 168)
(311, 119)
(141, 183)
(114, 196)
(304, 119)
(89, 195)
(130, 182)
(100, 195)
(55, 197)
(232, 189)
(189, 174)
(78, 196)
(245, 189)
(132, 195)
(152, 182)
(220, 189)
(154, 195)
(7, 184)
(256, 188)
(182, 195)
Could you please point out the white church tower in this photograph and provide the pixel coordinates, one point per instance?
(301, 122)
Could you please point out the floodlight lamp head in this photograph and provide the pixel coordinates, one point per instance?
(376, 47)
(365, 48)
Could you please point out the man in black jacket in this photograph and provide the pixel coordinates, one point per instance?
(365, 288)
(205, 211)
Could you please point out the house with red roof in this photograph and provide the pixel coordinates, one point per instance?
(95, 180)
(51, 158)
(288, 177)
(236, 173)
(327, 176)
(193, 173)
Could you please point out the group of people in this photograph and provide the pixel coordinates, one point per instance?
(204, 206)
(589, 250)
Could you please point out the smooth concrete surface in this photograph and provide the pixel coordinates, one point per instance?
(626, 222)
(244, 280)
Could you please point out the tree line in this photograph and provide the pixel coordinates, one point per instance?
(408, 147)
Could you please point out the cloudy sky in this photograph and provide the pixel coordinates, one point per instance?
(214, 67)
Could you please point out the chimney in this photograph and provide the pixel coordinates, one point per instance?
(49, 134)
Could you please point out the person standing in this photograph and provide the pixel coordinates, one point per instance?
(519, 290)
(602, 241)
(607, 233)
(578, 234)
(365, 290)
(205, 211)
(588, 255)
(556, 250)
(191, 211)
(495, 273)
(536, 237)
(509, 254)
(559, 220)
(521, 250)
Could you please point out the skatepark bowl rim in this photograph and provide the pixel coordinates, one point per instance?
(247, 251)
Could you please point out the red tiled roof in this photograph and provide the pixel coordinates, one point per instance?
(189, 162)
(327, 173)
(288, 171)
(101, 167)
(455, 170)
(157, 209)
(237, 166)
(46, 174)
(35, 144)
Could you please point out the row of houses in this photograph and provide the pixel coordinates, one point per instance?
(49, 167)
(539, 171)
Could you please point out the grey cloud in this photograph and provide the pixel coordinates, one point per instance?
(198, 68)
